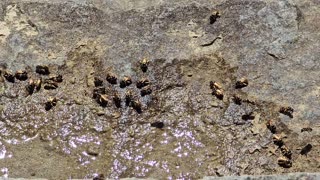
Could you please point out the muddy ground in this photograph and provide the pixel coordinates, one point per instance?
(272, 43)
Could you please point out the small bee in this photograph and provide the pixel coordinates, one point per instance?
(99, 177)
(30, 87)
(136, 105)
(286, 151)
(284, 162)
(38, 84)
(103, 100)
(277, 140)
(248, 116)
(55, 78)
(243, 82)
(43, 70)
(117, 100)
(9, 76)
(144, 65)
(97, 82)
(287, 111)
(49, 85)
(146, 91)
(306, 149)
(21, 75)
(237, 100)
(214, 16)
(129, 96)
(215, 85)
(111, 78)
(308, 129)
(157, 124)
(142, 83)
(98, 91)
(125, 81)
(50, 103)
(271, 126)
(218, 93)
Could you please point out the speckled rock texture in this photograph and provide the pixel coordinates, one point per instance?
(184, 130)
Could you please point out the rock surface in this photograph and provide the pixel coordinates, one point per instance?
(272, 43)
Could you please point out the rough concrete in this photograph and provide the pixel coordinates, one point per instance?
(273, 43)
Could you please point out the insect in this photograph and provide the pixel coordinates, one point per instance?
(271, 126)
(214, 16)
(117, 100)
(98, 91)
(243, 82)
(284, 162)
(97, 82)
(43, 70)
(9, 76)
(38, 84)
(248, 116)
(125, 81)
(103, 100)
(308, 129)
(146, 91)
(136, 105)
(237, 100)
(144, 65)
(305, 150)
(157, 124)
(21, 75)
(286, 151)
(128, 96)
(215, 85)
(216, 89)
(30, 87)
(277, 140)
(50, 103)
(99, 177)
(55, 78)
(287, 111)
(142, 83)
(49, 85)
(111, 78)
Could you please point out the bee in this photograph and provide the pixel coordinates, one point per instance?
(111, 78)
(103, 100)
(97, 82)
(278, 140)
(49, 85)
(144, 65)
(243, 82)
(128, 96)
(21, 75)
(55, 78)
(99, 177)
(248, 116)
(30, 87)
(98, 91)
(287, 111)
(157, 124)
(117, 100)
(286, 151)
(125, 81)
(50, 103)
(305, 150)
(38, 84)
(237, 100)
(146, 91)
(214, 16)
(218, 93)
(142, 83)
(43, 70)
(136, 105)
(308, 129)
(9, 76)
(271, 126)
(215, 85)
(284, 162)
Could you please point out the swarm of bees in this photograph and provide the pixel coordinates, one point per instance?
(131, 100)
